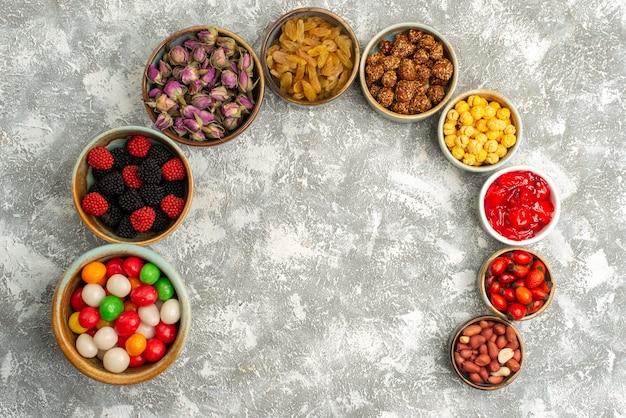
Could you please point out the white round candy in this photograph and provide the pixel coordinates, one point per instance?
(145, 330)
(118, 285)
(93, 294)
(85, 346)
(149, 315)
(170, 311)
(105, 338)
(116, 360)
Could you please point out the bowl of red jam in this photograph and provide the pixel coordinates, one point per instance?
(519, 205)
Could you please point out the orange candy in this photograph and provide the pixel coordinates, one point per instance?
(135, 344)
(94, 272)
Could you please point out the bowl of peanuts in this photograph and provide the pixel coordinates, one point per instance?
(310, 56)
(408, 72)
(121, 314)
(487, 352)
(479, 130)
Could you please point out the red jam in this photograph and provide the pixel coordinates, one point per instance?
(518, 206)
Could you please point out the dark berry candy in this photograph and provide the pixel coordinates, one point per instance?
(151, 194)
(112, 183)
(177, 188)
(160, 153)
(150, 171)
(161, 221)
(98, 174)
(112, 216)
(130, 200)
(121, 158)
(125, 229)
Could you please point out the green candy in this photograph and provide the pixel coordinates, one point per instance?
(164, 288)
(149, 273)
(111, 307)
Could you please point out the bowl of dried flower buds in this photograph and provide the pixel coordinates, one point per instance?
(408, 72)
(203, 86)
(310, 56)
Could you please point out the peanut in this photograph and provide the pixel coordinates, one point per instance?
(502, 371)
(482, 360)
(472, 330)
(476, 341)
(494, 380)
(470, 367)
(492, 350)
(510, 334)
(464, 339)
(505, 355)
(513, 365)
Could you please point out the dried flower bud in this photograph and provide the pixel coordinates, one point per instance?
(163, 121)
(231, 110)
(245, 63)
(228, 44)
(165, 104)
(178, 126)
(208, 36)
(197, 136)
(174, 90)
(229, 79)
(231, 123)
(214, 130)
(192, 124)
(165, 69)
(219, 59)
(189, 74)
(205, 117)
(245, 82)
(219, 94)
(209, 78)
(189, 111)
(154, 75)
(178, 56)
(194, 87)
(190, 43)
(198, 54)
(245, 102)
(155, 92)
(201, 100)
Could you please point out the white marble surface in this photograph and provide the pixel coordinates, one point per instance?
(329, 253)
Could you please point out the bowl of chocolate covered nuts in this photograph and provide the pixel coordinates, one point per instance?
(487, 352)
(479, 130)
(408, 72)
(310, 56)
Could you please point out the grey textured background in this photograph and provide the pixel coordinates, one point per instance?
(329, 253)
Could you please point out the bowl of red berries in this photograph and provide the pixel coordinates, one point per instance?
(519, 205)
(120, 314)
(132, 185)
(516, 283)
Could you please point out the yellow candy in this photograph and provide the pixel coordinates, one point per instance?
(74, 325)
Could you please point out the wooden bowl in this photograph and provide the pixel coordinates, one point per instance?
(178, 38)
(457, 360)
(273, 35)
(389, 34)
(484, 282)
(83, 179)
(490, 96)
(62, 309)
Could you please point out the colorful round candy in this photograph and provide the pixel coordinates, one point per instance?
(164, 288)
(111, 307)
(116, 360)
(149, 273)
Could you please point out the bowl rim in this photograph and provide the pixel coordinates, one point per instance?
(483, 291)
(277, 26)
(260, 87)
(456, 333)
(555, 198)
(392, 30)
(503, 100)
(65, 338)
(120, 133)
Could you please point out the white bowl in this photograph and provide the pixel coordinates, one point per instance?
(539, 235)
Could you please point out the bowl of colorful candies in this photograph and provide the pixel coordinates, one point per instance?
(203, 86)
(310, 56)
(516, 283)
(519, 205)
(408, 72)
(132, 185)
(120, 314)
(479, 130)
(487, 352)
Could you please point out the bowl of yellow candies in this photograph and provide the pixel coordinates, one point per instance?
(479, 130)
(310, 56)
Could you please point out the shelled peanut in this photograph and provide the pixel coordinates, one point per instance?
(488, 352)
(311, 59)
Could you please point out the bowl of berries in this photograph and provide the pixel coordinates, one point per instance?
(120, 314)
(132, 185)
(519, 205)
(487, 352)
(408, 72)
(516, 283)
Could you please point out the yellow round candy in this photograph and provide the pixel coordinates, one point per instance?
(74, 325)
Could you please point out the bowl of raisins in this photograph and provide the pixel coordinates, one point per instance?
(408, 72)
(132, 185)
(121, 314)
(310, 56)
(519, 205)
(479, 130)
(516, 283)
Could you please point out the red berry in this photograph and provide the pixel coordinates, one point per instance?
(94, 204)
(138, 146)
(131, 179)
(174, 170)
(142, 219)
(172, 206)
(100, 158)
